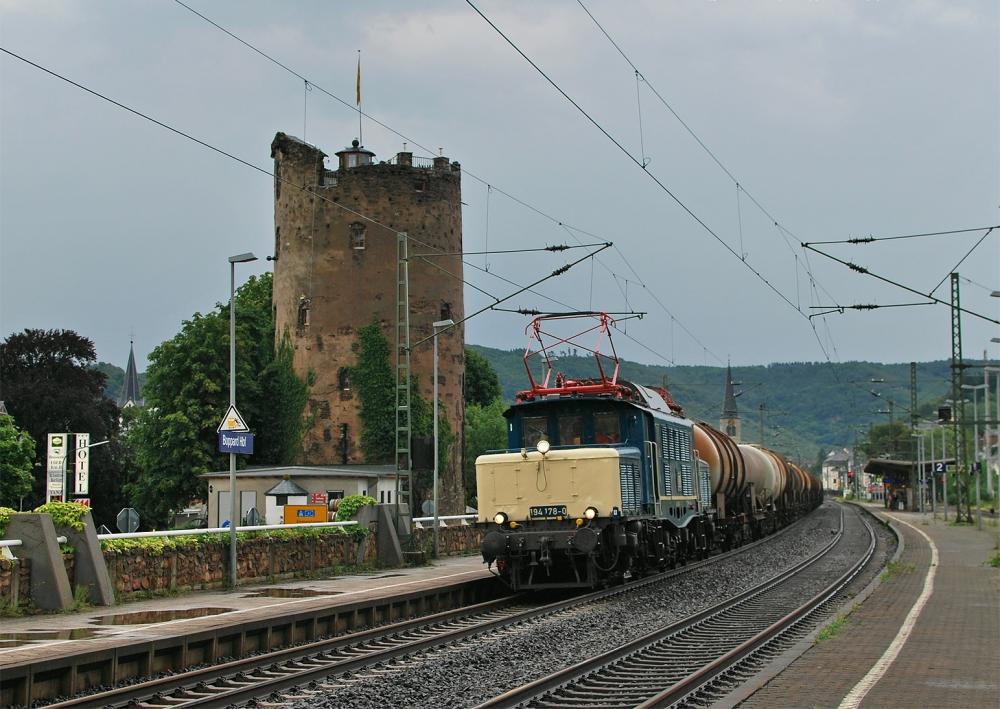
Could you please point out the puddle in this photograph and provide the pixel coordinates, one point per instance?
(29, 637)
(143, 617)
(288, 593)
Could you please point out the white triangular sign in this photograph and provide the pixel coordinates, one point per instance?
(233, 422)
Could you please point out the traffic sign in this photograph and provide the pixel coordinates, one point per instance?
(127, 520)
(85, 501)
(235, 442)
(233, 422)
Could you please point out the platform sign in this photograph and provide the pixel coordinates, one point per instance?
(239, 442)
(81, 478)
(940, 468)
(85, 501)
(304, 514)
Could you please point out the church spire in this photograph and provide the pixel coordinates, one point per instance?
(130, 395)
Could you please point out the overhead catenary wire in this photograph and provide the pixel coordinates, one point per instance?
(554, 248)
(465, 171)
(302, 188)
(632, 158)
(873, 239)
(864, 271)
(962, 260)
(685, 125)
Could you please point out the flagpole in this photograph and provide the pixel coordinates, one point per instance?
(361, 140)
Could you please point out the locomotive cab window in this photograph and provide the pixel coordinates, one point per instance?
(570, 430)
(606, 427)
(534, 429)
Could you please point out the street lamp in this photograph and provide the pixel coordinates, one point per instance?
(233, 498)
(975, 444)
(438, 327)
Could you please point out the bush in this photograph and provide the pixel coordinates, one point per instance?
(5, 513)
(65, 514)
(350, 505)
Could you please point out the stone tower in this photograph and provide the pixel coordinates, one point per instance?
(729, 423)
(335, 245)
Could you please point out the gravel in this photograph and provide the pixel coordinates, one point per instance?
(468, 673)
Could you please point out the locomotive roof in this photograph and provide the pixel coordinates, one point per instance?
(643, 398)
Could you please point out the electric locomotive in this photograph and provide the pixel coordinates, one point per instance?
(604, 479)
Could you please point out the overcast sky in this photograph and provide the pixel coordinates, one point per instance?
(842, 119)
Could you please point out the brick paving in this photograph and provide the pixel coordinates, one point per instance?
(952, 657)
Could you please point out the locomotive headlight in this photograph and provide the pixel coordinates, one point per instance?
(590, 512)
(500, 518)
(543, 446)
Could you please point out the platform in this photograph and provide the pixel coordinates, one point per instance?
(888, 654)
(106, 644)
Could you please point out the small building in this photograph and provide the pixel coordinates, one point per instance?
(835, 468)
(268, 489)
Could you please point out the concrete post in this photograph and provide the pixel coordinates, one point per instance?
(90, 570)
(50, 589)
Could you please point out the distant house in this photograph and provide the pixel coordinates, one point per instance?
(835, 468)
(269, 489)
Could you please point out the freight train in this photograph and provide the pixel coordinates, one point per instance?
(606, 480)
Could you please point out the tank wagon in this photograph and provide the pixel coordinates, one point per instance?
(605, 479)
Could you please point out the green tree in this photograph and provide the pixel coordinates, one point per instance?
(17, 458)
(50, 386)
(374, 382)
(485, 429)
(481, 383)
(887, 440)
(187, 392)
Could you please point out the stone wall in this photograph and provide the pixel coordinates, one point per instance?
(15, 580)
(452, 541)
(139, 571)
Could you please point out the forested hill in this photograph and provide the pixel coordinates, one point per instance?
(807, 405)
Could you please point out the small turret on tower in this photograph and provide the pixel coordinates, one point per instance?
(354, 156)
(730, 420)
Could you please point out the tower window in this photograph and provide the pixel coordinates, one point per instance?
(302, 321)
(357, 236)
(445, 311)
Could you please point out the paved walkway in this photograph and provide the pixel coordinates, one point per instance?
(951, 656)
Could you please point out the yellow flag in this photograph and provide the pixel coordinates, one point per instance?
(358, 90)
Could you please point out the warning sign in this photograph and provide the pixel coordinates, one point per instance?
(233, 422)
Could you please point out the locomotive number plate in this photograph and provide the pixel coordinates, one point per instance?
(547, 511)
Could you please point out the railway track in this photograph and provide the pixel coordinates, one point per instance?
(272, 673)
(678, 664)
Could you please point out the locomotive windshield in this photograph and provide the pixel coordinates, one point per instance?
(582, 426)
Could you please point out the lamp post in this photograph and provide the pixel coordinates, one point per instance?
(438, 327)
(234, 508)
(975, 447)
(920, 464)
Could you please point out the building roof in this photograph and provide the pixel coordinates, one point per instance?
(287, 487)
(130, 395)
(309, 471)
(729, 410)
